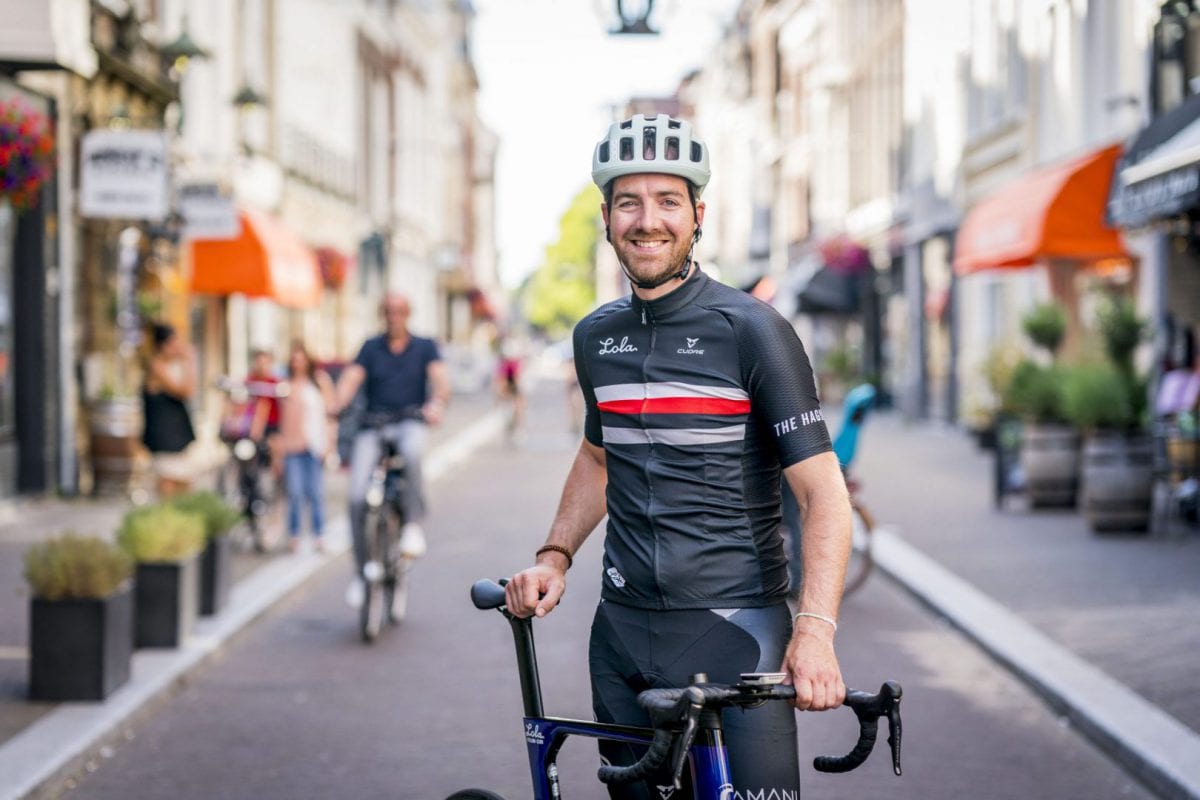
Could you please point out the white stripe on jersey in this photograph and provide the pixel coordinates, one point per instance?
(650, 391)
(673, 436)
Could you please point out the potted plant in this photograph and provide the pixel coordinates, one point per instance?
(80, 618)
(216, 561)
(1049, 446)
(165, 544)
(1108, 402)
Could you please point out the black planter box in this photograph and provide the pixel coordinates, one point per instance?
(216, 575)
(80, 649)
(166, 596)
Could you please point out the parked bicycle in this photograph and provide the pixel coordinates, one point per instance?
(859, 402)
(685, 727)
(385, 569)
(246, 480)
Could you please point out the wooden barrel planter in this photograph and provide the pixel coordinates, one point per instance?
(1118, 482)
(1050, 461)
(115, 428)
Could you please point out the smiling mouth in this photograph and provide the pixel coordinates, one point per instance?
(648, 244)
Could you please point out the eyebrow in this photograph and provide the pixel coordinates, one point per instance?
(635, 196)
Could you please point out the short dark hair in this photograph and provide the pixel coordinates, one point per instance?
(161, 333)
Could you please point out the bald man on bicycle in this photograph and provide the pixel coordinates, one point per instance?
(697, 397)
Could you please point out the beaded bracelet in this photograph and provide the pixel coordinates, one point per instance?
(556, 548)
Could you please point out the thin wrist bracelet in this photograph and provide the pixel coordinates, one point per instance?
(556, 548)
(822, 617)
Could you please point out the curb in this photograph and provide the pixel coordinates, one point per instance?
(64, 737)
(1154, 746)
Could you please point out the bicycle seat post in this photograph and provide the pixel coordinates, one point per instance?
(531, 686)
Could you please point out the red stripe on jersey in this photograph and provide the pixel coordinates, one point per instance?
(677, 405)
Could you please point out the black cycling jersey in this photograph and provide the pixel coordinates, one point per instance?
(698, 399)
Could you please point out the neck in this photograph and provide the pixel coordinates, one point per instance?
(646, 295)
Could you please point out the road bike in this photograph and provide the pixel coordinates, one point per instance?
(246, 479)
(385, 569)
(859, 401)
(686, 724)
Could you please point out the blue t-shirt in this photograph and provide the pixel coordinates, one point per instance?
(397, 381)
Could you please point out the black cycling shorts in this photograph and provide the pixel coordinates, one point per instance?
(635, 649)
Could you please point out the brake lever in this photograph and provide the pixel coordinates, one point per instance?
(684, 743)
(868, 709)
(894, 729)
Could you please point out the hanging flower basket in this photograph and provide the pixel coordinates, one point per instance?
(26, 153)
(334, 267)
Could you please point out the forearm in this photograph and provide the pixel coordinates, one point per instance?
(825, 509)
(582, 504)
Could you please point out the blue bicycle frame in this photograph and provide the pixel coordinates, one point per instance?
(544, 736)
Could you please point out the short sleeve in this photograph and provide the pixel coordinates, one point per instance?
(434, 352)
(363, 359)
(591, 420)
(779, 379)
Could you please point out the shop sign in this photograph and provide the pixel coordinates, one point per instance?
(207, 212)
(1161, 196)
(124, 175)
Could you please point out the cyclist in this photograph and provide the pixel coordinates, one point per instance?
(697, 396)
(404, 376)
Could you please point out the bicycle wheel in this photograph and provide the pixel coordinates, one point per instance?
(859, 566)
(474, 794)
(373, 609)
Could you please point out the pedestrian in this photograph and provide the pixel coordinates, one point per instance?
(167, 426)
(508, 384)
(305, 438)
(697, 397)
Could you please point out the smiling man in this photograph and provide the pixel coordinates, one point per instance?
(698, 396)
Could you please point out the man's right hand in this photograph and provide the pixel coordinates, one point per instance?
(537, 590)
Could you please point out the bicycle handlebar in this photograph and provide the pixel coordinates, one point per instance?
(675, 714)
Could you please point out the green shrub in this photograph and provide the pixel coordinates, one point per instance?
(1045, 325)
(161, 533)
(72, 567)
(218, 515)
(1035, 392)
(1122, 330)
(1098, 397)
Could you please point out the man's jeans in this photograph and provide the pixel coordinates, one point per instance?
(411, 437)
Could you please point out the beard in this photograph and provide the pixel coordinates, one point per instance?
(653, 269)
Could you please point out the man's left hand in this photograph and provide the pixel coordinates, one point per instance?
(812, 667)
(432, 412)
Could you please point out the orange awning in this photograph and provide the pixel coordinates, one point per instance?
(265, 260)
(1051, 213)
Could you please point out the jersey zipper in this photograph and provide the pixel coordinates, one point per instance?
(650, 457)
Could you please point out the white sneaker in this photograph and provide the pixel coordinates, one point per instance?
(355, 594)
(412, 540)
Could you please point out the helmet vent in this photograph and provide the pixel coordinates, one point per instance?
(672, 123)
(672, 149)
(626, 148)
(604, 152)
(627, 124)
(697, 152)
(648, 144)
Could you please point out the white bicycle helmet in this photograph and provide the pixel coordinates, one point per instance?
(656, 144)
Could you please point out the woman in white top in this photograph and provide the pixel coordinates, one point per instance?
(305, 437)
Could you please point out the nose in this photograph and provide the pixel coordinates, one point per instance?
(648, 218)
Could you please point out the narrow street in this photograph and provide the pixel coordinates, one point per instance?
(297, 707)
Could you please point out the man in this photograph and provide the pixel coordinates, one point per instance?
(406, 383)
(697, 396)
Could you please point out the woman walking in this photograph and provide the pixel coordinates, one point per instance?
(306, 437)
(170, 381)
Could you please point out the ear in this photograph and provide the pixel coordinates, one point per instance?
(607, 234)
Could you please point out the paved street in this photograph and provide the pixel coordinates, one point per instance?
(298, 708)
